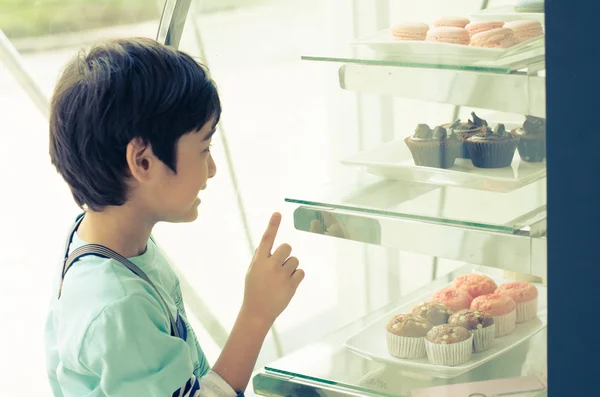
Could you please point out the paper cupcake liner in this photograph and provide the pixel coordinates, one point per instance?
(406, 347)
(532, 149)
(483, 338)
(439, 154)
(463, 152)
(505, 324)
(450, 354)
(492, 153)
(527, 311)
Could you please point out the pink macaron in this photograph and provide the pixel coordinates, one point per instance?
(409, 31)
(451, 35)
(453, 298)
(525, 29)
(483, 26)
(457, 22)
(496, 38)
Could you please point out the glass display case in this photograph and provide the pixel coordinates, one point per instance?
(321, 97)
(377, 211)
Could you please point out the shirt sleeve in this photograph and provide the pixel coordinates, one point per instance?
(130, 348)
(212, 385)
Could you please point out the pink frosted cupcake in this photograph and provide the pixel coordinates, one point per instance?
(526, 297)
(475, 284)
(453, 298)
(502, 308)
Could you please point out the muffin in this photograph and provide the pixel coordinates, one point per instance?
(434, 312)
(464, 130)
(433, 148)
(475, 284)
(532, 139)
(492, 149)
(448, 345)
(453, 298)
(502, 308)
(406, 336)
(481, 324)
(525, 296)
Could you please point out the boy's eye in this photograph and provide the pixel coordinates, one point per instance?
(207, 148)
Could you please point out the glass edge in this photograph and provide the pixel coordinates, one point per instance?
(377, 62)
(398, 215)
(331, 383)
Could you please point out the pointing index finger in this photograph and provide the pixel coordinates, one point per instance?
(268, 238)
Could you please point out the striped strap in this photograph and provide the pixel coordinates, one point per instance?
(102, 251)
(189, 389)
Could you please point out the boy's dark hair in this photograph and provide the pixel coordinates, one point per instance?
(120, 90)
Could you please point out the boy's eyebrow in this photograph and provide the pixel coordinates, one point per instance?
(210, 134)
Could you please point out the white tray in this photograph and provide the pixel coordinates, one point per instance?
(370, 341)
(426, 51)
(507, 14)
(394, 161)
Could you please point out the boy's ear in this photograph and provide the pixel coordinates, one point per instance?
(140, 159)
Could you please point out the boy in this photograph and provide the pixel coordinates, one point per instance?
(130, 131)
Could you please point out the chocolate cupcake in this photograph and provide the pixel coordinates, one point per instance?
(433, 148)
(448, 345)
(406, 336)
(435, 312)
(464, 130)
(532, 139)
(481, 325)
(492, 149)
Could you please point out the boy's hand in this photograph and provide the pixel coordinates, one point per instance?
(272, 279)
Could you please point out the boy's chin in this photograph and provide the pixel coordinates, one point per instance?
(189, 216)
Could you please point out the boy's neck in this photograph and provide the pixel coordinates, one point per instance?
(121, 229)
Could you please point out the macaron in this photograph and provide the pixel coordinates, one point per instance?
(525, 29)
(483, 26)
(452, 35)
(496, 38)
(409, 31)
(457, 22)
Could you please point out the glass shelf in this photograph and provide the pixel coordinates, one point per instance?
(327, 368)
(513, 85)
(453, 206)
(372, 59)
(360, 54)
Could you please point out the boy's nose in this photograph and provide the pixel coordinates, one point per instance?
(212, 167)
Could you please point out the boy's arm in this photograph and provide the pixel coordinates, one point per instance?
(271, 282)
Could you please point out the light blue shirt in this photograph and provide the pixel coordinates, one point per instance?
(109, 333)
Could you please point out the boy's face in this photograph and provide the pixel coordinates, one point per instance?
(174, 196)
